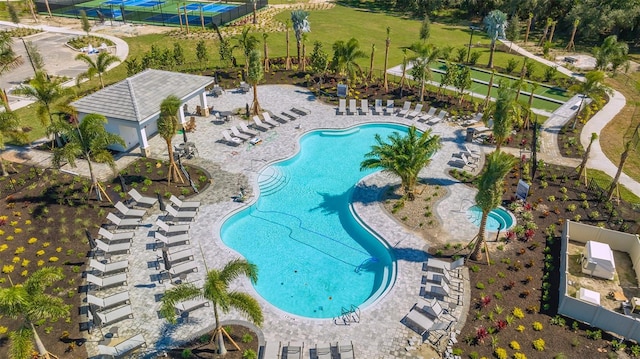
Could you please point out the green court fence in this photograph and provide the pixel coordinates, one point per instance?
(152, 12)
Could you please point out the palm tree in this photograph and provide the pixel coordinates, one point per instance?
(490, 190)
(345, 56)
(503, 112)
(287, 61)
(403, 156)
(593, 87)
(526, 34)
(254, 75)
(266, 51)
(403, 65)
(496, 23)
(47, 91)
(488, 98)
(216, 289)
(585, 157)
(611, 51)
(31, 304)
(8, 60)
(98, 67)
(255, 5)
(167, 128)
(571, 45)
(300, 21)
(546, 30)
(424, 56)
(628, 147)
(247, 43)
(386, 59)
(9, 128)
(88, 140)
(373, 51)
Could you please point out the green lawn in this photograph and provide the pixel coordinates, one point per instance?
(604, 179)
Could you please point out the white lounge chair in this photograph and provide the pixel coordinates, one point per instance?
(110, 301)
(267, 118)
(468, 162)
(115, 237)
(405, 109)
(260, 124)
(364, 107)
(418, 321)
(427, 116)
(390, 108)
(112, 248)
(171, 229)
(123, 348)
(353, 109)
(433, 309)
(441, 115)
(129, 212)
(105, 268)
(180, 255)
(244, 128)
(323, 352)
(110, 317)
(104, 282)
(437, 265)
(181, 216)
(178, 269)
(171, 240)
(377, 107)
(346, 351)
(230, 139)
(477, 118)
(294, 350)
(123, 222)
(181, 205)
(342, 106)
(236, 133)
(191, 305)
(474, 155)
(142, 200)
(416, 111)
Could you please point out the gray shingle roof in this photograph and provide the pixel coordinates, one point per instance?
(139, 96)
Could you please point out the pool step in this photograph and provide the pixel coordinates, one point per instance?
(271, 180)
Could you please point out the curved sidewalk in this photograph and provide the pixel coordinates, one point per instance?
(597, 159)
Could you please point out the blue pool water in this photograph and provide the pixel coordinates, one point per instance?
(313, 256)
(499, 218)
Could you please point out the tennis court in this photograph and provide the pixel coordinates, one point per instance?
(155, 12)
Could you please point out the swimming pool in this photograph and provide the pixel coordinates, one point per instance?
(499, 218)
(314, 257)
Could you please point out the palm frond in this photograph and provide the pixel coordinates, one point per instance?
(20, 344)
(248, 306)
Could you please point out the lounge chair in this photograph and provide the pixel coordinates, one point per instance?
(235, 132)
(364, 107)
(123, 222)
(468, 162)
(294, 350)
(110, 301)
(244, 128)
(299, 112)
(445, 277)
(441, 115)
(432, 290)
(180, 255)
(433, 308)
(353, 109)
(474, 155)
(405, 109)
(289, 115)
(191, 305)
(182, 205)
(437, 265)
(104, 282)
(171, 229)
(171, 240)
(179, 269)
(111, 248)
(418, 321)
(267, 119)
(178, 215)
(416, 111)
(323, 352)
(377, 107)
(142, 200)
(346, 351)
(118, 314)
(244, 87)
(342, 106)
(230, 139)
(278, 118)
(272, 350)
(429, 115)
(260, 124)
(390, 108)
(129, 212)
(115, 237)
(477, 118)
(105, 268)
(123, 348)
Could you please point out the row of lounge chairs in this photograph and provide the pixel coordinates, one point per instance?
(429, 117)
(293, 350)
(441, 292)
(267, 122)
(466, 158)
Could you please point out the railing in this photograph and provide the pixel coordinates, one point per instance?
(348, 316)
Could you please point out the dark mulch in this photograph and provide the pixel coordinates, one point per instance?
(43, 217)
(204, 348)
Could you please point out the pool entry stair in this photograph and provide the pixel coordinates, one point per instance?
(364, 263)
(271, 180)
(348, 315)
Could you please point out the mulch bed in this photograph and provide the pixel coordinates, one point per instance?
(42, 223)
(204, 348)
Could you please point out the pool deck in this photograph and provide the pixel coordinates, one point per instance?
(379, 334)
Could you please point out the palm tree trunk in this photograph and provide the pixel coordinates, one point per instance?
(255, 106)
(544, 35)
(585, 157)
(266, 57)
(3, 168)
(493, 49)
(475, 255)
(304, 57)
(287, 61)
(255, 5)
(553, 29)
(487, 99)
(623, 159)
(174, 173)
(571, 45)
(526, 34)
(422, 86)
(33, 12)
(386, 60)
(94, 180)
(46, 2)
(299, 44)
(41, 348)
(575, 119)
(101, 80)
(370, 75)
(218, 336)
(5, 100)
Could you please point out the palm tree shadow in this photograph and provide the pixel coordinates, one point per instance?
(410, 254)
